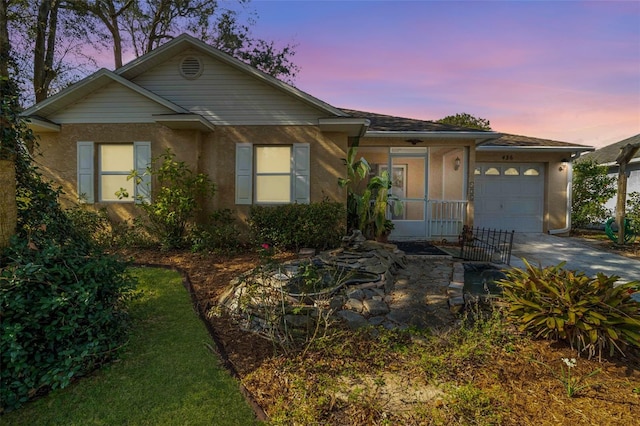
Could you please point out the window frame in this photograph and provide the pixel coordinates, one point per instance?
(100, 173)
(257, 174)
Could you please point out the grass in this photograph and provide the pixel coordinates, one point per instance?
(167, 374)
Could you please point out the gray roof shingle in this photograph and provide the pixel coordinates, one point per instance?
(609, 153)
(389, 123)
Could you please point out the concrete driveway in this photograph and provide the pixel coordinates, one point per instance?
(545, 250)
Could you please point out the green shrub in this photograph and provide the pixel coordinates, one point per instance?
(633, 211)
(60, 297)
(220, 234)
(293, 226)
(591, 314)
(96, 226)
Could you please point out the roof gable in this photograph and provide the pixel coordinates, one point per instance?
(224, 95)
(233, 93)
(82, 91)
(156, 64)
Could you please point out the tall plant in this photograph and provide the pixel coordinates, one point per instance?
(367, 204)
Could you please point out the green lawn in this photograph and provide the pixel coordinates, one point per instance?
(166, 375)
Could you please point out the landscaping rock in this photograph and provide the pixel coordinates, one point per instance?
(397, 298)
(375, 307)
(353, 319)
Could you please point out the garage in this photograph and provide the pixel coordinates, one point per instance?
(509, 196)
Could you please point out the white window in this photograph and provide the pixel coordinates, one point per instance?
(108, 166)
(115, 163)
(275, 174)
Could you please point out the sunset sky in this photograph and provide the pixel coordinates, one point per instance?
(562, 70)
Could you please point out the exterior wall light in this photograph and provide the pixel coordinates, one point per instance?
(456, 163)
(563, 164)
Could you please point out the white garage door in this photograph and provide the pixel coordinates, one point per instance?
(509, 196)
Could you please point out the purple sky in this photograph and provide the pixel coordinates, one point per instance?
(562, 70)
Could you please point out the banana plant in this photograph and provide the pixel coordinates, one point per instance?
(367, 211)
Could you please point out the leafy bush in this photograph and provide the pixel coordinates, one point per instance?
(592, 188)
(220, 234)
(96, 226)
(60, 296)
(590, 313)
(175, 201)
(293, 226)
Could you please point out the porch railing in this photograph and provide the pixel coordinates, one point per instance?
(446, 217)
(486, 245)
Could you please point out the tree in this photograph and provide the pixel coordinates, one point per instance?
(47, 40)
(592, 188)
(466, 120)
(109, 13)
(12, 131)
(139, 26)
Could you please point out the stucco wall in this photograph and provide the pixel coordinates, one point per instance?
(327, 150)
(211, 153)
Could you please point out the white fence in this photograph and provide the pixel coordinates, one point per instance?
(445, 217)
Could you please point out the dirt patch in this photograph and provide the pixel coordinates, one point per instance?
(399, 387)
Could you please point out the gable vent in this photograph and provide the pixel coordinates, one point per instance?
(191, 67)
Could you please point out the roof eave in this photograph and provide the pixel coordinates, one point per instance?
(432, 134)
(39, 125)
(355, 127)
(635, 160)
(184, 122)
(536, 148)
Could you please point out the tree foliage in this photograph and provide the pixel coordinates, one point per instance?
(466, 120)
(592, 188)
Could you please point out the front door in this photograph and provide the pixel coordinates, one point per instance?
(408, 174)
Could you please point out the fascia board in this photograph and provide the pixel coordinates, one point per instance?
(535, 148)
(432, 135)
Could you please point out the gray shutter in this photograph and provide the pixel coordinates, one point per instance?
(244, 173)
(85, 172)
(300, 169)
(142, 160)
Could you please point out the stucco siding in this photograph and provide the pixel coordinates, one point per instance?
(114, 103)
(226, 96)
(210, 153)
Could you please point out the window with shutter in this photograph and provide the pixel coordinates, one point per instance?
(272, 174)
(107, 168)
